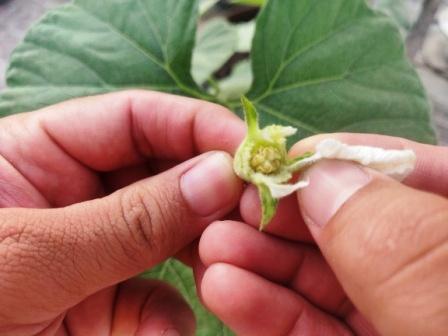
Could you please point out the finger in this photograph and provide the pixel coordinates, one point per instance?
(83, 248)
(287, 222)
(74, 139)
(135, 307)
(251, 305)
(19, 193)
(151, 308)
(95, 314)
(297, 266)
(118, 129)
(386, 242)
(432, 161)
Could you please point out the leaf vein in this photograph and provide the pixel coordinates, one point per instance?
(301, 52)
(318, 81)
(155, 31)
(292, 121)
(125, 37)
(73, 58)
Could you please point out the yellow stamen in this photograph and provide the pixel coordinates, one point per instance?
(266, 160)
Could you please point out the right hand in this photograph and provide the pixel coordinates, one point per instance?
(383, 260)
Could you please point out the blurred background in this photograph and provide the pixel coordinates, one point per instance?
(424, 24)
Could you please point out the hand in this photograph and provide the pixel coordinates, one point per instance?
(383, 268)
(74, 225)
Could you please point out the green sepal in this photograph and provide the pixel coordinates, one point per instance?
(268, 205)
(251, 117)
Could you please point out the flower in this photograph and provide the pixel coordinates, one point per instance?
(262, 160)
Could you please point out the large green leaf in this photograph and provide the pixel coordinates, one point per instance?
(89, 47)
(181, 277)
(327, 66)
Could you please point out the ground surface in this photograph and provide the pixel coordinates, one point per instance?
(17, 15)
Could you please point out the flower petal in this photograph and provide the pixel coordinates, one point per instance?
(279, 190)
(277, 134)
(396, 163)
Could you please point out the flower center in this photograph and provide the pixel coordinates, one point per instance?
(266, 160)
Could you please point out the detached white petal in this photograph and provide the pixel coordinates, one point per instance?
(396, 163)
(279, 190)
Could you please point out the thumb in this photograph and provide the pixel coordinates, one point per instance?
(387, 244)
(80, 249)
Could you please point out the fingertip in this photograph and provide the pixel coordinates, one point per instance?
(250, 208)
(210, 241)
(243, 246)
(211, 186)
(235, 243)
(223, 291)
(216, 284)
(227, 137)
(247, 303)
(166, 313)
(287, 222)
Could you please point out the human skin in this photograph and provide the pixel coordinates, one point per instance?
(355, 253)
(96, 190)
(75, 228)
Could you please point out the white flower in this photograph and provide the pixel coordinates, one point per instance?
(262, 160)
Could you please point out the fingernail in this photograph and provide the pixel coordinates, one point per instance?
(210, 185)
(332, 183)
(171, 332)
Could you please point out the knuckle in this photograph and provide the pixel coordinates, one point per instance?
(146, 217)
(137, 217)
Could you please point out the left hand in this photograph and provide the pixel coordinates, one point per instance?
(89, 202)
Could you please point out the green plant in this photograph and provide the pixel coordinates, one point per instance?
(318, 65)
